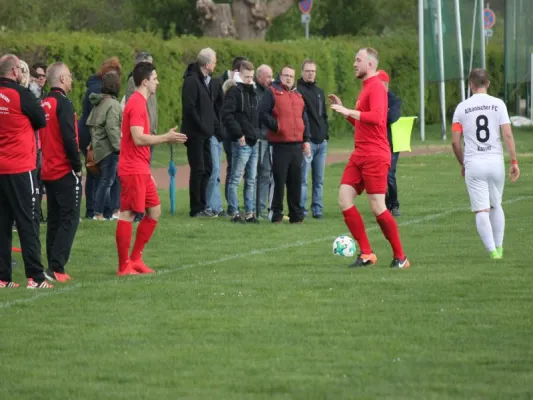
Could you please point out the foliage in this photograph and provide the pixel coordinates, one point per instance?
(334, 58)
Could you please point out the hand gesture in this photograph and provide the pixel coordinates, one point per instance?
(307, 149)
(514, 172)
(175, 137)
(340, 109)
(334, 99)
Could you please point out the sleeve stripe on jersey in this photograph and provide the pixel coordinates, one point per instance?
(457, 127)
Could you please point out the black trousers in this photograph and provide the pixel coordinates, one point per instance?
(199, 156)
(63, 206)
(19, 202)
(227, 149)
(287, 161)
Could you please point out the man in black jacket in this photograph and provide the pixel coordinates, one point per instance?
(315, 104)
(282, 111)
(241, 120)
(20, 116)
(199, 123)
(393, 115)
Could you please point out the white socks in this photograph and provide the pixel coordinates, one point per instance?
(497, 220)
(484, 229)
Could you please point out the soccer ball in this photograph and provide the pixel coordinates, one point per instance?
(344, 246)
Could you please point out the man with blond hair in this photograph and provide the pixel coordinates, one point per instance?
(369, 164)
(20, 116)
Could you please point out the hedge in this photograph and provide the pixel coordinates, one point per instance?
(83, 53)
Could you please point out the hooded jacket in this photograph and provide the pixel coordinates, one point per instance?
(198, 111)
(283, 112)
(240, 114)
(104, 122)
(315, 105)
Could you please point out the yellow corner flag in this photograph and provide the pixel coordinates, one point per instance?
(401, 134)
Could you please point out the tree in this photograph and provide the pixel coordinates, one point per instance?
(242, 19)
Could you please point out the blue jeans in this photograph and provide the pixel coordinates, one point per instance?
(265, 178)
(243, 161)
(213, 194)
(317, 163)
(107, 194)
(391, 199)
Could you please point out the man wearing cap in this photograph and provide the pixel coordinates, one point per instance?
(393, 114)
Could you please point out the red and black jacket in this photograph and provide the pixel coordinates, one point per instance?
(59, 140)
(20, 116)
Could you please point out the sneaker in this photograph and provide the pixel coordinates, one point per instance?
(495, 255)
(500, 250)
(237, 219)
(127, 270)
(35, 285)
(252, 220)
(205, 214)
(286, 218)
(222, 214)
(318, 216)
(401, 264)
(5, 284)
(364, 260)
(56, 276)
(139, 266)
(395, 212)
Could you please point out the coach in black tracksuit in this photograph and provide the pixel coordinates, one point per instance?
(61, 171)
(20, 115)
(199, 124)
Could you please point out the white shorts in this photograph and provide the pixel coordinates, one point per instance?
(484, 182)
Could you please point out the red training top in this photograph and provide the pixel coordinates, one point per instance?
(370, 134)
(133, 159)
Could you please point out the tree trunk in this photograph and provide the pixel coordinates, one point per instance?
(246, 19)
(216, 20)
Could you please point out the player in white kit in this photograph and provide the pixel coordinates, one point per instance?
(479, 120)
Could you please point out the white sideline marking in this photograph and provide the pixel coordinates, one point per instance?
(51, 292)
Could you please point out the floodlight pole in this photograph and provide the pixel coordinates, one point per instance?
(441, 70)
(421, 68)
(474, 19)
(460, 49)
(482, 30)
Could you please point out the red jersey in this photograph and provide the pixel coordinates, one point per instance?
(370, 134)
(59, 139)
(133, 159)
(20, 116)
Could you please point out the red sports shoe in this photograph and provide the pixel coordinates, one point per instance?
(127, 269)
(34, 285)
(56, 276)
(141, 267)
(5, 284)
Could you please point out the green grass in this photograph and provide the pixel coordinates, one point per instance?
(267, 312)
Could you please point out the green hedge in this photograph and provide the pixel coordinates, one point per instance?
(84, 52)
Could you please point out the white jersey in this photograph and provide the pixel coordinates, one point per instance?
(479, 119)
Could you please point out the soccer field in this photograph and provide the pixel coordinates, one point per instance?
(267, 312)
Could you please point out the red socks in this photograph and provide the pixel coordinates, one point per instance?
(388, 225)
(144, 233)
(123, 237)
(355, 224)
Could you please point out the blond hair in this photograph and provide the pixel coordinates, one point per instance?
(25, 71)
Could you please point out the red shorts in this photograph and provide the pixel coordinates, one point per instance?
(137, 193)
(368, 173)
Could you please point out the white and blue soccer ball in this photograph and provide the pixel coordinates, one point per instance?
(344, 246)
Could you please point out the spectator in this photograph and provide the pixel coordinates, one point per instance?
(241, 121)
(282, 111)
(315, 104)
(105, 121)
(263, 81)
(94, 85)
(393, 115)
(61, 171)
(38, 73)
(199, 122)
(22, 116)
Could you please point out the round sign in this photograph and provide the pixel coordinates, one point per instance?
(305, 6)
(489, 17)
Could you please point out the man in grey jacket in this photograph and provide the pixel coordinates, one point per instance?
(263, 81)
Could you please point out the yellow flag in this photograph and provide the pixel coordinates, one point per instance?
(401, 134)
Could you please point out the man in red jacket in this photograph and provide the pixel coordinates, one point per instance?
(61, 171)
(20, 116)
(369, 163)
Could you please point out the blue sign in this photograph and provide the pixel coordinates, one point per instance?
(305, 6)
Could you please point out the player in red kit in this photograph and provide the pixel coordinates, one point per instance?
(369, 163)
(138, 190)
